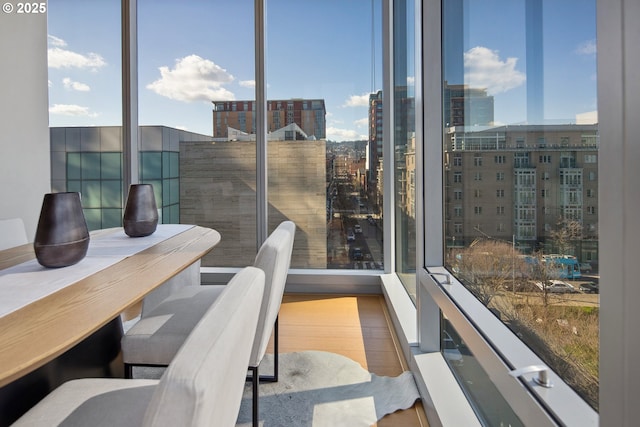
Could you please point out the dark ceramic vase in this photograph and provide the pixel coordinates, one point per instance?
(140, 213)
(62, 236)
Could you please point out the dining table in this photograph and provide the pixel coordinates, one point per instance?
(46, 312)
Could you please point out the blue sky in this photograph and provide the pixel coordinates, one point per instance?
(193, 52)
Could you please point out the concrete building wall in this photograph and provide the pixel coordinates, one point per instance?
(218, 190)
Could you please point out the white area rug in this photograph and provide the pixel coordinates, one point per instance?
(318, 389)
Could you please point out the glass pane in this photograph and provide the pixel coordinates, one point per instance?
(521, 167)
(489, 405)
(85, 104)
(321, 173)
(192, 60)
(404, 142)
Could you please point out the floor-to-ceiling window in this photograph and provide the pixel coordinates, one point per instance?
(520, 147)
(324, 127)
(197, 111)
(196, 79)
(85, 106)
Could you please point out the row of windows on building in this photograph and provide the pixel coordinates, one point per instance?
(566, 178)
(522, 159)
(572, 195)
(501, 210)
(492, 142)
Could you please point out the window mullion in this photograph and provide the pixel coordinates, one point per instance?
(261, 124)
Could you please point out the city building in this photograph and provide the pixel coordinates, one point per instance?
(308, 114)
(218, 189)
(466, 106)
(89, 160)
(374, 148)
(522, 182)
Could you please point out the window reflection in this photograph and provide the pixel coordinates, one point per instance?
(520, 159)
(404, 142)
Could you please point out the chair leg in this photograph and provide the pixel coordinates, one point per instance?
(128, 371)
(274, 377)
(255, 383)
(275, 350)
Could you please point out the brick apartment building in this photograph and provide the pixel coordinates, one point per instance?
(522, 182)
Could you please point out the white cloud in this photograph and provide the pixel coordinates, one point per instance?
(71, 85)
(485, 69)
(55, 41)
(71, 110)
(587, 48)
(247, 83)
(357, 101)
(192, 79)
(362, 122)
(335, 134)
(64, 58)
(589, 117)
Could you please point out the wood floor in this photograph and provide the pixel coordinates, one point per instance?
(357, 327)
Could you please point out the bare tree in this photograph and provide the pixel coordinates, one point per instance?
(487, 267)
(567, 232)
(543, 272)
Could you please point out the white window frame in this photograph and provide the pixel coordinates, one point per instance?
(496, 348)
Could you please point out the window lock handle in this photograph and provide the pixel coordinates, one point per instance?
(447, 276)
(543, 374)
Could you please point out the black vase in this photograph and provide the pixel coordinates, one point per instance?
(62, 236)
(140, 213)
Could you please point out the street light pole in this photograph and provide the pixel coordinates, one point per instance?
(513, 263)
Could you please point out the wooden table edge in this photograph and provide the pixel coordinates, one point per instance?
(68, 316)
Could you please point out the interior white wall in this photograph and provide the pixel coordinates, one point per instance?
(24, 117)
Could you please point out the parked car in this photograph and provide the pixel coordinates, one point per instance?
(522, 286)
(351, 237)
(557, 286)
(356, 254)
(450, 349)
(590, 288)
(357, 228)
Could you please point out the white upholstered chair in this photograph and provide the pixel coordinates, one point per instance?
(146, 344)
(202, 387)
(12, 233)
